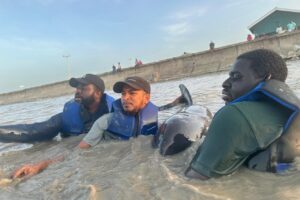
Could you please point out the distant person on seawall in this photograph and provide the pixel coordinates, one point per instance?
(114, 68)
(211, 46)
(249, 37)
(119, 67)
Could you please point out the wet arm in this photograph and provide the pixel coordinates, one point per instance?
(190, 173)
(95, 135)
(33, 169)
(225, 147)
(28, 133)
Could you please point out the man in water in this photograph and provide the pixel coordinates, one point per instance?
(78, 116)
(132, 115)
(257, 126)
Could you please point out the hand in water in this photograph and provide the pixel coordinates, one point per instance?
(27, 171)
(84, 145)
(33, 169)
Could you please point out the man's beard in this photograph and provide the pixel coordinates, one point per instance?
(77, 98)
(132, 112)
(86, 102)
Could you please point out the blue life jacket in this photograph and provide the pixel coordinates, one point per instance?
(278, 155)
(126, 126)
(71, 117)
(109, 101)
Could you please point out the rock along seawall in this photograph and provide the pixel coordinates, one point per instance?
(194, 64)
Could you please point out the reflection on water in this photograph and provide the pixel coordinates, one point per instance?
(132, 169)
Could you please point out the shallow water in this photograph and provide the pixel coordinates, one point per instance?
(132, 169)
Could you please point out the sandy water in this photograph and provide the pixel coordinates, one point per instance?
(132, 169)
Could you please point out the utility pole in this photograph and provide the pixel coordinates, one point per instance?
(67, 56)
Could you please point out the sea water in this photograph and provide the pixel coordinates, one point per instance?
(133, 169)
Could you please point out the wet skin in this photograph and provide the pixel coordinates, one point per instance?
(90, 97)
(78, 92)
(240, 81)
(134, 100)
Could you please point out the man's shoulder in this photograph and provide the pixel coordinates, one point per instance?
(104, 120)
(228, 115)
(71, 101)
(236, 108)
(105, 117)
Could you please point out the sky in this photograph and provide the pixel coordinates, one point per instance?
(45, 41)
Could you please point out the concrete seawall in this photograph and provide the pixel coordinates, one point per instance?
(287, 45)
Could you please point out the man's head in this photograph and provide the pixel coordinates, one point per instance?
(135, 93)
(90, 87)
(250, 69)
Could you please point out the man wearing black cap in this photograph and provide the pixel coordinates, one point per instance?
(79, 114)
(93, 104)
(131, 116)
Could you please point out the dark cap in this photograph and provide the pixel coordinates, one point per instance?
(88, 79)
(134, 82)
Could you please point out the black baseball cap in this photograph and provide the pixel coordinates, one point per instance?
(135, 82)
(88, 79)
